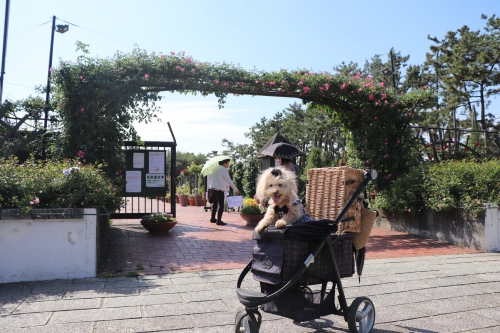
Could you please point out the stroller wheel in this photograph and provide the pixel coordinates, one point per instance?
(361, 316)
(247, 322)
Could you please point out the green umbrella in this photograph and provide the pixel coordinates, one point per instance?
(213, 163)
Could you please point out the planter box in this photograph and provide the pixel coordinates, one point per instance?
(458, 227)
(50, 244)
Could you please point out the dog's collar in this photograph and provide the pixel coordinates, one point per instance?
(281, 210)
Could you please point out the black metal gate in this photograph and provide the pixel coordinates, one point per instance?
(149, 176)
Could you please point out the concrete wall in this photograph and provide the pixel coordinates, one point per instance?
(458, 227)
(49, 247)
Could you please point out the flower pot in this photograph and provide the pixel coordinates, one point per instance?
(198, 199)
(176, 199)
(192, 202)
(252, 220)
(158, 228)
(183, 200)
(168, 200)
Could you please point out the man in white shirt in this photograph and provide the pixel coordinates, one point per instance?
(219, 181)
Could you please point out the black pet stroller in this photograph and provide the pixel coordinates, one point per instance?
(291, 260)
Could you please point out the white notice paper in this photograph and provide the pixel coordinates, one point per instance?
(133, 180)
(138, 161)
(234, 201)
(157, 162)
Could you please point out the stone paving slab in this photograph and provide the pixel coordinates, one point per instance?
(206, 302)
(63, 305)
(184, 309)
(118, 302)
(144, 325)
(96, 315)
(112, 292)
(72, 327)
(23, 320)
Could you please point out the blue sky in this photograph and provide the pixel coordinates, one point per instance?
(269, 35)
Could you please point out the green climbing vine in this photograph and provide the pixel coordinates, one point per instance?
(98, 99)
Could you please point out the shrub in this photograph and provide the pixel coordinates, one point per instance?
(443, 187)
(251, 175)
(404, 194)
(32, 185)
(237, 176)
(314, 159)
(467, 185)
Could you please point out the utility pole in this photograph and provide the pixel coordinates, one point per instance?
(4, 51)
(393, 79)
(47, 97)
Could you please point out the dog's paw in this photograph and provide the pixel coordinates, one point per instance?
(280, 224)
(259, 228)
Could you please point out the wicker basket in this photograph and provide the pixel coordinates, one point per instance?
(367, 220)
(327, 192)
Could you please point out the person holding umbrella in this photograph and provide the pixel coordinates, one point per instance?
(285, 163)
(218, 183)
(283, 154)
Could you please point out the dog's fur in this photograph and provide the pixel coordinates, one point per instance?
(280, 186)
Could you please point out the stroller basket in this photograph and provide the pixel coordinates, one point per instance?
(277, 257)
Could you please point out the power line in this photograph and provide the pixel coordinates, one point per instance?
(20, 85)
(29, 29)
(112, 38)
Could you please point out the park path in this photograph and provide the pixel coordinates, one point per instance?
(195, 244)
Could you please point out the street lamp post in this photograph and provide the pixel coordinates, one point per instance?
(4, 50)
(61, 29)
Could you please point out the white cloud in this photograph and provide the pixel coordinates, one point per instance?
(198, 127)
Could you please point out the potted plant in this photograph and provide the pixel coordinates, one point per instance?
(192, 200)
(158, 223)
(199, 196)
(183, 192)
(251, 212)
(167, 197)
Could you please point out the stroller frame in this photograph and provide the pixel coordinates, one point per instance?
(249, 320)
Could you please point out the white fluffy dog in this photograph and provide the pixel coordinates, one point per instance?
(284, 208)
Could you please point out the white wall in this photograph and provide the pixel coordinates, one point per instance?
(33, 250)
(492, 228)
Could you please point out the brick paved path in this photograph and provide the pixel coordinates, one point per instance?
(196, 244)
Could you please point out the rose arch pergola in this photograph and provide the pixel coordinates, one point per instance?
(97, 100)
